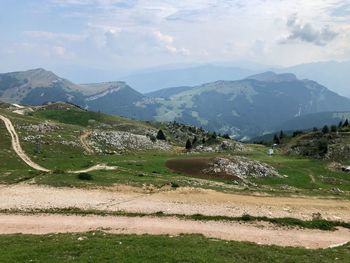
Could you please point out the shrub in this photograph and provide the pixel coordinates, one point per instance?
(325, 129)
(297, 133)
(322, 146)
(276, 139)
(85, 176)
(161, 136)
(226, 136)
(174, 185)
(188, 144)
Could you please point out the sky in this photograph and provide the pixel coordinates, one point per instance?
(122, 35)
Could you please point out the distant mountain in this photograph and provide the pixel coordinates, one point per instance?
(36, 87)
(155, 80)
(168, 92)
(252, 106)
(332, 74)
(244, 108)
(317, 120)
(119, 99)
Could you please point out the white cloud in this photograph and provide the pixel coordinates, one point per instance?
(306, 32)
(139, 33)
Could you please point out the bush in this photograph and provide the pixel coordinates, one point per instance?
(174, 185)
(161, 136)
(226, 136)
(85, 176)
(297, 133)
(188, 144)
(334, 128)
(325, 129)
(322, 146)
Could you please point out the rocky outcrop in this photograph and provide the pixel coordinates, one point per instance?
(120, 142)
(240, 167)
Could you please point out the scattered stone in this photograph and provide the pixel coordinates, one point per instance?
(241, 167)
(120, 142)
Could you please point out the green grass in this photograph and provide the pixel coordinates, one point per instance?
(102, 247)
(299, 172)
(138, 168)
(80, 117)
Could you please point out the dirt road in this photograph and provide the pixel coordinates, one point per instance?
(180, 201)
(17, 146)
(258, 233)
(19, 151)
(95, 168)
(83, 140)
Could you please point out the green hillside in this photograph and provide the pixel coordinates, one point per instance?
(51, 136)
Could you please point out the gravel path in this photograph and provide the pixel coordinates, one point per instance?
(258, 233)
(179, 201)
(17, 146)
(83, 140)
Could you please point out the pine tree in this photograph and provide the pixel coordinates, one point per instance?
(282, 135)
(160, 135)
(188, 144)
(276, 139)
(340, 124)
(194, 141)
(334, 128)
(325, 129)
(346, 123)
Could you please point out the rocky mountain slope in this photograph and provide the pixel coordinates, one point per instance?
(248, 107)
(244, 109)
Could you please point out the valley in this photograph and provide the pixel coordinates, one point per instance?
(110, 175)
(174, 131)
(113, 174)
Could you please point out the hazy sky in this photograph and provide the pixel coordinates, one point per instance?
(112, 34)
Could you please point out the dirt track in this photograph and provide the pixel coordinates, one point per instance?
(17, 146)
(83, 140)
(180, 201)
(95, 168)
(261, 234)
(19, 151)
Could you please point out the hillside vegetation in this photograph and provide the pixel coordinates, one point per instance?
(63, 138)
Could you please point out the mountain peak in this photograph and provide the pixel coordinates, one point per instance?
(270, 76)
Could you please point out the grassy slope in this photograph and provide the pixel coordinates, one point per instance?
(300, 171)
(139, 168)
(80, 117)
(100, 247)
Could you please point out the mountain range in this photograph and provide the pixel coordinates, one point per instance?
(242, 108)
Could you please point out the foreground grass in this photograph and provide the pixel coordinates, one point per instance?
(102, 247)
(320, 224)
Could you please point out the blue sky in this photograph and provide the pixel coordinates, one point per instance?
(118, 35)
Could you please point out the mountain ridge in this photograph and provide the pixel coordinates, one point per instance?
(241, 108)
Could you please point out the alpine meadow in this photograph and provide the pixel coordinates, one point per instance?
(167, 131)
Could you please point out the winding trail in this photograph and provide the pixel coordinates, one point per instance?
(97, 167)
(19, 151)
(83, 140)
(17, 146)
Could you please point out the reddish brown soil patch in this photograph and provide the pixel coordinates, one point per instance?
(195, 167)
